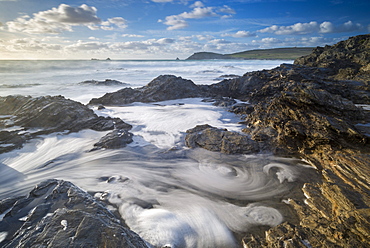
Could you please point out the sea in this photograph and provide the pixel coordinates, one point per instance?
(170, 195)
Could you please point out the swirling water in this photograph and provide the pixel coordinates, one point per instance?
(168, 194)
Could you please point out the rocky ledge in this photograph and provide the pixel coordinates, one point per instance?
(22, 118)
(309, 113)
(164, 87)
(59, 214)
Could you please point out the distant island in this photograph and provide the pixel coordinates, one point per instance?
(290, 53)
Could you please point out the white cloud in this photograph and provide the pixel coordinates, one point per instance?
(162, 1)
(72, 15)
(30, 45)
(199, 11)
(175, 22)
(132, 35)
(87, 46)
(63, 18)
(312, 27)
(197, 4)
(118, 21)
(298, 28)
(240, 34)
(55, 20)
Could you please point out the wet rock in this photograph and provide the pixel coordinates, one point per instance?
(165, 87)
(118, 138)
(220, 140)
(59, 214)
(106, 82)
(314, 118)
(304, 120)
(32, 116)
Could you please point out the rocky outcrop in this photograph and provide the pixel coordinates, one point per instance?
(350, 59)
(165, 87)
(118, 138)
(106, 82)
(220, 140)
(261, 84)
(25, 117)
(312, 116)
(59, 214)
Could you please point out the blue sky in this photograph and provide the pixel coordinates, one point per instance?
(166, 29)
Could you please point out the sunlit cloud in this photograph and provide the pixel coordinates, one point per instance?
(240, 34)
(132, 35)
(199, 11)
(63, 18)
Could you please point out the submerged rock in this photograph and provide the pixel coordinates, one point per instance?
(220, 140)
(59, 214)
(32, 116)
(165, 87)
(106, 82)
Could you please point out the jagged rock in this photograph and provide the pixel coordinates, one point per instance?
(116, 139)
(59, 214)
(305, 119)
(165, 87)
(45, 115)
(106, 82)
(313, 118)
(220, 140)
(349, 59)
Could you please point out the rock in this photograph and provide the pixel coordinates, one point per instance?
(165, 87)
(256, 86)
(59, 214)
(312, 116)
(118, 138)
(47, 114)
(304, 120)
(220, 140)
(350, 59)
(106, 82)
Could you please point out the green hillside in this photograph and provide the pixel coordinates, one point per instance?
(276, 53)
(290, 53)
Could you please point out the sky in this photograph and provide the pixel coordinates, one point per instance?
(169, 29)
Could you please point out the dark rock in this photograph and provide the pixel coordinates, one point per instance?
(106, 82)
(59, 214)
(220, 140)
(303, 120)
(350, 59)
(220, 101)
(44, 115)
(165, 87)
(116, 139)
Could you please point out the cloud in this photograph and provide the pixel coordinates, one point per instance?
(71, 15)
(132, 35)
(162, 1)
(312, 27)
(240, 34)
(31, 45)
(199, 11)
(174, 22)
(87, 46)
(63, 18)
(298, 28)
(118, 21)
